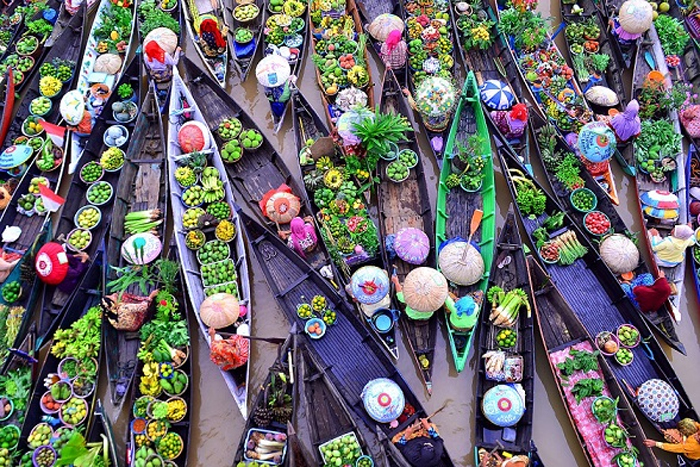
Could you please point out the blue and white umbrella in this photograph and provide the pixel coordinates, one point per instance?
(497, 95)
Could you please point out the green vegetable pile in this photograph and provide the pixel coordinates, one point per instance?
(587, 387)
(82, 340)
(656, 147)
(531, 200)
(11, 292)
(604, 409)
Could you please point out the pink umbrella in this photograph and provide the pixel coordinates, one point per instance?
(412, 245)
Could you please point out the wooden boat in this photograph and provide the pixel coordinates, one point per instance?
(244, 54)
(456, 206)
(86, 76)
(347, 353)
(68, 48)
(329, 415)
(332, 111)
(625, 52)
(403, 205)
(650, 58)
(101, 429)
(508, 271)
(64, 18)
(562, 332)
(370, 9)
(8, 104)
(276, 401)
(87, 296)
(570, 116)
(216, 66)
(692, 177)
(180, 311)
(494, 63)
(308, 126)
(590, 289)
(183, 107)
(54, 301)
(546, 140)
(23, 368)
(143, 186)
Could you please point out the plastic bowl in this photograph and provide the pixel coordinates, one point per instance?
(639, 336)
(594, 412)
(310, 323)
(112, 144)
(83, 209)
(602, 338)
(583, 190)
(89, 190)
(585, 226)
(12, 410)
(44, 408)
(73, 247)
(44, 113)
(102, 174)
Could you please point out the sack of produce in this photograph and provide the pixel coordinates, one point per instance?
(127, 312)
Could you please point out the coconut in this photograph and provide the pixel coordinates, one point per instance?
(619, 253)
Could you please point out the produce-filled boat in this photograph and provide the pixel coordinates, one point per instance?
(404, 209)
(285, 28)
(466, 204)
(318, 156)
(430, 68)
(212, 48)
(352, 360)
(17, 385)
(63, 400)
(12, 25)
(566, 175)
(87, 210)
(204, 220)
(330, 421)
(248, 16)
(151, 19)
(336, 31)
(104, 61)
(139, 217)
(102, 432)
(265, 436)
(485, 52)
(67, 10)
(692, 194)
(586, 282)
(506, 351)
(161, 402)
(570, 351)
(660, 162)
(551, 81)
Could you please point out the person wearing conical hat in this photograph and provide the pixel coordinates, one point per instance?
(160, 63)
(393, 50)
(670, 250)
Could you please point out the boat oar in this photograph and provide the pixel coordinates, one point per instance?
(271, 340)
(473, 226)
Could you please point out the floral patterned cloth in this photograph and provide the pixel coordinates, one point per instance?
(591, 430)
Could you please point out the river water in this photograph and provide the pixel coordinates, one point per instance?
(216, 423)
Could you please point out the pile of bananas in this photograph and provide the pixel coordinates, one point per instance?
(212, 185)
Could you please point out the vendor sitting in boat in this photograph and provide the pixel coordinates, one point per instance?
(160, 63)
(423, 293)
(301, 236)
(420, 444)
(393, 50)
(685, 442)
(55, 266)
(670, 250)
(211, 38)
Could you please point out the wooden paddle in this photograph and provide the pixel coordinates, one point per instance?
(475, 223)
(271, 340)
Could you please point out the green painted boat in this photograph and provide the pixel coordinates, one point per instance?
(456, 206)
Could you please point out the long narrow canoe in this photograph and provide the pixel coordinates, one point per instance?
(369, 10)
(86, 76)
(625, 53)
(692, 177)
(562, 333)
(650, 58)
(347, 352)
(509, 272)
(101, 430)
(277, 399)
(217, 66)
(243, 55)
(308, 126)
(64, 18)
(8, 104)
(54, 301)
(547, 141)
(456, 206)
(407, 205)
(143, 186)
(184, 108)
(602, 306)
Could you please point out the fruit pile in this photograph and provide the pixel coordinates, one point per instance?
(35, 182)
(44, 456)
(115, 136)
(315, 328)
(218, 273)
(220, 210)
(40, 106)
(170, 446)
(212, 185)
(228, 287)
(99, 193)
(112, 159)
(597, 222)
(185, 176)
(27, 203)
(628, 335)
(225, 231)
(50, 86)
(229, 129)
(397, 171)
(213, 252)
(624, 356)
(9, 437)
(40, 435)
(506, 338)
(319, 303)
(243, 35)
(32, 126)
(147, 457)
(155, 429)
(408, 157)
(329, 316)
(615, 436)
(79, 239)
(304, 311)
(232, 151)
(11, 292)
(342, 450)
(194, 239)
(251, 139)
(245, 13)
(584, 200)
(74, 411)
(91, 172)
(177, 409)
(46, 161)
(190, 218)
(193, 196)
(88, 218)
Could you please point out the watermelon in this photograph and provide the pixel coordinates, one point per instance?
(194, 136)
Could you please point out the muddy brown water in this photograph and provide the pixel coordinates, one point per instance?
(216, 423)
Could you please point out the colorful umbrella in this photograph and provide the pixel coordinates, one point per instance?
(51, 263)
(15, 155)
(425, 290)
(435, 96)
(273, 71)
(636, 16)
(142, 248)
(597, 142)
(369, 285)
(497, 95)
(72, 107)
(412, 245)
(383, 399)
(503, 405)
(660, 204)
(219, 311)
(658, 400)
(461, 263)
(280, 205)
(383, 24)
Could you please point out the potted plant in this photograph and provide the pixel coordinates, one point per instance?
(126, 92)
(378, 131)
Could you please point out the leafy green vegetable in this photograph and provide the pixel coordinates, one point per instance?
(672, 34)
(587, 387)
(82, 339)
(554, 222)
(174, 333)
(531, 200)
(582, 360)
(158, 18)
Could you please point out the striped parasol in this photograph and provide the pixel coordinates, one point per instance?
(660, 204)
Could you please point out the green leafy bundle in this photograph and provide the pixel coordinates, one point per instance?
(672, 34)
(579, 360)
(587, 387)
(82, 339)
